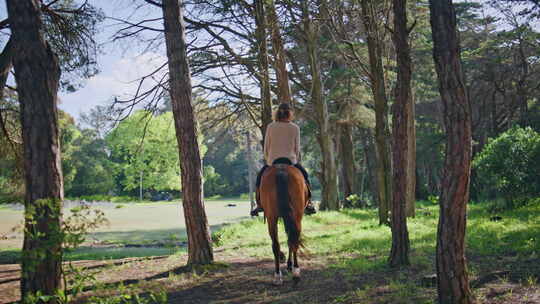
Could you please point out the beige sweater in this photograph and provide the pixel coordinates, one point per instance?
(282, 140)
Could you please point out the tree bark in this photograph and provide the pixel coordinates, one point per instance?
(328, 178)
(452, 278)
(347, 159)
(280, 65)
(199, 241)
(370, 162)
(382, 131)
(262, 58)
(6, 63)
(411, 160)
(399, 254)
(37, 75)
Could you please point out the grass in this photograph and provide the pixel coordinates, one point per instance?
(348, 250)
(516, 232)
(12, 256)
(157, 226)
(356, 231)
(120, 253)
(352, 243)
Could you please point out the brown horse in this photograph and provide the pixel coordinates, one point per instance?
(284, 193)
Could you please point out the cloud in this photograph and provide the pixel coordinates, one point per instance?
(118, 77)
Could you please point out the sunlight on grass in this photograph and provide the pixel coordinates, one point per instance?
(13, 256)
(119, 253)
(352, 243)
(345, 232)
(352, 246)
(516, 232)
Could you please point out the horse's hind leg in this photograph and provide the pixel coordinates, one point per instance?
(289, 260)
(281, 257)
(272, 230)
(295, 268)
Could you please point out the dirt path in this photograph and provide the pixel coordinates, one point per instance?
(248, 280)
(240, 280)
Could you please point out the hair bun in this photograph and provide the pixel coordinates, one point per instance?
(283, 112)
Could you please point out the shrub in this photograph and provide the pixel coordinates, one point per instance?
(362, 200)
(510, 164)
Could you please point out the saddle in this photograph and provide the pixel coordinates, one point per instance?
(282, 160)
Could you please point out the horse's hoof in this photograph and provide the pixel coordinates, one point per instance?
(296, 280)
(296, 272)
(278, 279)
(281, 257)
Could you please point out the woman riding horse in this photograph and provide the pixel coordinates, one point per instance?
(284, 194)
(282, 145)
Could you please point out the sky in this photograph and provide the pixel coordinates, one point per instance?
(120, 64)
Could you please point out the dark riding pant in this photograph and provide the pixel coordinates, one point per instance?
(287, 161)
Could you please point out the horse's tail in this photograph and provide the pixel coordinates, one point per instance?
(285, 210)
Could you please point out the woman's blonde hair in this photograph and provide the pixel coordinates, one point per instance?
(284, 113)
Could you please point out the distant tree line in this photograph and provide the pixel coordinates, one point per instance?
(139, 152)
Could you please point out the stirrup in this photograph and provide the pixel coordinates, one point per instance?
(310, 209)
(255, 212)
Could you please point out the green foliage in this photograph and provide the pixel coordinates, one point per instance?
(510, 164)
(434, 199)
(226, 166)
(214, 184)
(146, 145)
(11, 165)
(92, 166)
(79, 277)
(70, 29)
(69, 133)
(359, 200)
(59, 237)
(104, 198)
(85, 164)
(47, 239)
(82, 220)
(132, 297)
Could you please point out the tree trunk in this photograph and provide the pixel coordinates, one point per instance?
(251, 182)
(399, 255)
(452, 278)
(382, 131)
(199, 241)
(6, 63)
(37, 74)
(280, 65)
(411, 161)
(347, 159)
(329, 184)
(370, 160)
(521, 89)
(262, 58)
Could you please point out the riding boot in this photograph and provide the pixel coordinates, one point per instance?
(310, 209)
(255, 212)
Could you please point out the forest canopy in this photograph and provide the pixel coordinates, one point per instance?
(500, 46)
